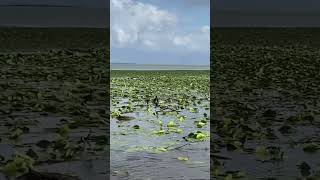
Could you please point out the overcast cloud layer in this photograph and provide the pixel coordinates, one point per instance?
(168, 37)
(75, 3)
(265, 13)
(54, 13)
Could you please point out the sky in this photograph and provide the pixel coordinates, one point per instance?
(57, 13)
(266, 13)
(158, 32)
(76, 3)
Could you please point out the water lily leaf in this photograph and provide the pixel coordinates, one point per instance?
(16, 133)
(304, 169)
(183, 158)
(200, 136)
(160, 132)
(181, 118)
(228, 177)
(193, 110)
(262, 153)
(200, 124)
(64, 130)
(171, 124)
(179, 131)
(160, 123)
(161, 149)
(311, 147)
(20, 164)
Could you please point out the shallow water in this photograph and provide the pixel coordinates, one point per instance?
(286, 103)
(47, 99)
(133, 151)
(156, 165)
(266, 81)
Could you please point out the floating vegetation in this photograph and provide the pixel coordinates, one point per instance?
(198, 136)
(265, 92)
(165, 107)
(19, 165)
(183, 158)
(53, 110)
(159, 149)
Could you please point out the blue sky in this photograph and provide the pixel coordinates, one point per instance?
(160, 32)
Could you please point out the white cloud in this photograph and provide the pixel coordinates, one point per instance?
(181, 41)
(205, 29)
(196, 41)
(130, 20)
(148, 43)
(141, 25)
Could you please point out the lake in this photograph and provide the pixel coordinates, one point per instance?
(118, 66)
(165, 141)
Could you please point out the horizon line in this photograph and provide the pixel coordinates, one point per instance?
(163, 64)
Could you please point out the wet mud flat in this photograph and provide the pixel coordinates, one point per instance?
(159, 127)
(54, 111)
(265, 119)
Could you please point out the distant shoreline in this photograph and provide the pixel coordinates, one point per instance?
(121, 63)
(155, 67)
(161, 64)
